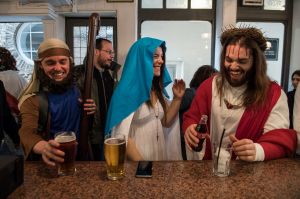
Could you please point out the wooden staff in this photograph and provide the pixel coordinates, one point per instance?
(84, 152)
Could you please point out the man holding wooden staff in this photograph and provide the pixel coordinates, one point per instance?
(105, 79)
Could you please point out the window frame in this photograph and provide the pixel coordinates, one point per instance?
(258, 14)
(84, 21)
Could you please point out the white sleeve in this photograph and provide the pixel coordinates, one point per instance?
(296, 117)
(278, 119)
(279, 116)
(124, 127)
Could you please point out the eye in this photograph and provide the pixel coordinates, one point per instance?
(228, 59)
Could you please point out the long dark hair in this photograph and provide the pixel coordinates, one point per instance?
(157, 84)
(201, 74)
(257, 80)
(7, 60)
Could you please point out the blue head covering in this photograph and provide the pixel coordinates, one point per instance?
(136, 81)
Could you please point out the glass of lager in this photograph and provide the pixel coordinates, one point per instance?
(67, 142)
(114, 152)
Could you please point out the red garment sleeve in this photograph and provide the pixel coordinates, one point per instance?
(278, 143)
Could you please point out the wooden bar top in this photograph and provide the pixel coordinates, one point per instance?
(178, 179)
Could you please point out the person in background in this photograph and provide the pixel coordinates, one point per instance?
(242, 103)
(139, 109)
(296, 117)
(8, 125)
(290, 95)
(13, 82)
(105, 79)
(52, 87)
(201, 74)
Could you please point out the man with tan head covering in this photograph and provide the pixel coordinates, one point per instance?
(51, 92)
(244, 107)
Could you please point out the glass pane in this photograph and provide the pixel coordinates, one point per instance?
(184, 56)
(37, 27)
(83, 52)
(275, 36)
(152, 4)
(76, 52)
(177, 4)
(77, 61)
(201, 4)
(76, 42)
(274, 4)
(76, 32)
(37, 38)
(25, 41)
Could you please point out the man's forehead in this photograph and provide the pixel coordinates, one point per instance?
(238, 51)
(56, 58)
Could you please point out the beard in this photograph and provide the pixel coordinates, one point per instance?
(244, 77)
(56, 86)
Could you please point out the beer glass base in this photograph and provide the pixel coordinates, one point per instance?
(67, 173)
(115, 177)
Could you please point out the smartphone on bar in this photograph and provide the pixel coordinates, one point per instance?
(144, 169)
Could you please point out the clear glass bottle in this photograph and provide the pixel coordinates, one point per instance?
(201, 128)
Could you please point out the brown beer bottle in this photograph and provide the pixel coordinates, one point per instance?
(201, 128)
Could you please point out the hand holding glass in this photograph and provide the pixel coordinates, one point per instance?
(67, 144)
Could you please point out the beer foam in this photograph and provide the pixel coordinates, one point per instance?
(114, 141)
(64, 138)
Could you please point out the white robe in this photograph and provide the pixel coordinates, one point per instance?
(152, 140)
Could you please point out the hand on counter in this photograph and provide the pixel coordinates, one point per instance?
(244, 148)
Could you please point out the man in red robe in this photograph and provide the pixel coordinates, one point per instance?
(242, 103)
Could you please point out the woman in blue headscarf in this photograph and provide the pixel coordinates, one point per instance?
(138, 107)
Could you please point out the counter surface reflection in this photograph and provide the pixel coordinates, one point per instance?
(179, 179)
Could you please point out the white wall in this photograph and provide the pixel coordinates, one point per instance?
(295, 47)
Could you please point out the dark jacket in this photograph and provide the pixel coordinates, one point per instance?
(103, 85)
(291, 97)
(8, 123)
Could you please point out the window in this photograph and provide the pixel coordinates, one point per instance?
(29, 37)
(187, 26)
(77, 35)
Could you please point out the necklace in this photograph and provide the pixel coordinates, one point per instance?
(156, 118)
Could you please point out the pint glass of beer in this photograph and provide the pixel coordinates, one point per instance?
(114, 152)
(67, 142)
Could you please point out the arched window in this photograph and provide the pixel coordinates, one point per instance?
(29, 37)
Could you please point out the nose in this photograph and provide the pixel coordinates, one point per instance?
(234, 65)
(160, 60)
(57, 66)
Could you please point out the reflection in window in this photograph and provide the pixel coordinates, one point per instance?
(29, 37)
(80, 37)
(274, 4)
(177, 4)
(152, 4)
(203, 4)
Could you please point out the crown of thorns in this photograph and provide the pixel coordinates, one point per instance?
(246, 32)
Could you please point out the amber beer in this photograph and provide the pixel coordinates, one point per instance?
(67, 142)
(114, 152)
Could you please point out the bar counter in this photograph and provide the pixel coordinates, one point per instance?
(178, 179)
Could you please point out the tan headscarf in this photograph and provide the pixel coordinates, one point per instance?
(48, 48)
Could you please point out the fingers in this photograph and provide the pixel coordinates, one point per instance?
(190, 136)
(52, 154)
(89, 106)
(233, 138)
(244, 149)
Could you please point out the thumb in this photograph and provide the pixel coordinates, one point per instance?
(233, 138)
